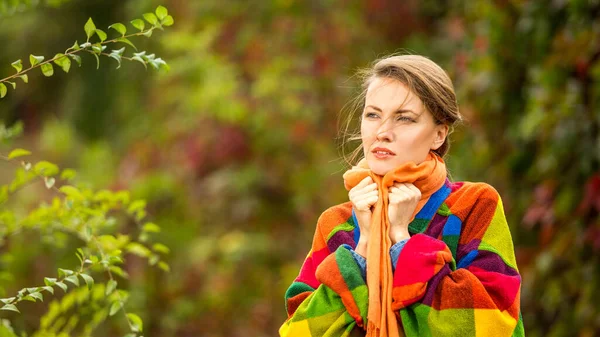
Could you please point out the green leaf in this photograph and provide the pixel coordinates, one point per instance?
(35, 59)
(164, 266)
(18, 65)
(77, 58)
(139, 24)
(90, 28)
(49, 182)
(101, 34)
(114, 308)
(151, 227)
(18, 153)
(161, 12)
(33, 290)
(126, 41)
(68, 174)
(7, 300)
(119, 27)
(49, 289)
(110, 287)
(136, 322)
(139, 59)
(97, 48)
(147, 33)
(14, 85)
(37, 296)
(61, 286)
(49, 281)
(75, 46)
(73, 279)
(2, 90)
(136, 206)
(25, 78)
(97, 61)
(71, 192)
(119, 271)
(63, 62)
(138, 249)
(10, 307)
(28, 298)
(116, 54)
(47, 69)
(64, 272)
(160, 248)
(46, 169)
(88, 280)
(151, 18)
(168, 21)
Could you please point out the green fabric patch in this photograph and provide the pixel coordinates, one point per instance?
(418, 225)
(450, 322)
(414, 320)
(452, 243)
(444, 210)
(348, 268)
(322, 301)
(297, 288)
(343, 227)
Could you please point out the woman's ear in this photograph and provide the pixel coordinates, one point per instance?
(441, 131)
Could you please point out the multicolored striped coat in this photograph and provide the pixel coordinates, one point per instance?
(455, 276)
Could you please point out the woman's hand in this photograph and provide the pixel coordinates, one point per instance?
(403, 200)
(363, 196)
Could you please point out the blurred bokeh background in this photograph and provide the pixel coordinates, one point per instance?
(236, 149)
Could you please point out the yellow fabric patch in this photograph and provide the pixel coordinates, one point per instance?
(295, 329)
(492, 323)
(498, 236)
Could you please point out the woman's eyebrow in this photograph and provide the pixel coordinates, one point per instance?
(397, 111)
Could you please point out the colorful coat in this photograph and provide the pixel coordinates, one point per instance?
(455, 276)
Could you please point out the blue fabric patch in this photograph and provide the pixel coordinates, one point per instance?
(452, 226)
(468, 259)
(356, 228)
(434, 202)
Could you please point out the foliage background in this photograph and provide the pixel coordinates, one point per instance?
(235, 148)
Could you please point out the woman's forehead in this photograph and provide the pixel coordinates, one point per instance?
(390, 94)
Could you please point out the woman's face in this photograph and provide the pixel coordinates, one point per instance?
(396, 128)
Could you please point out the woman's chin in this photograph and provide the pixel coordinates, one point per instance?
(379, 169)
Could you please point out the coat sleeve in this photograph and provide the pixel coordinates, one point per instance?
(329, 297)
(478, 295)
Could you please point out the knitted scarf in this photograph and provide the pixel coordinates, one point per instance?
(428, 177)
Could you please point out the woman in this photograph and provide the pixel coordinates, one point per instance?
(411, 253)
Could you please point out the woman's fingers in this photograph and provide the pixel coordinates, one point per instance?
(403, 192)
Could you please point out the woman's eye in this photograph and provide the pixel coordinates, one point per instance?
(404, 119)
(371, 115)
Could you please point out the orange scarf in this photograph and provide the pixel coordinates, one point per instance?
(428, 177)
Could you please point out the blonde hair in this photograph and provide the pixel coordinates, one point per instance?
(424, 78)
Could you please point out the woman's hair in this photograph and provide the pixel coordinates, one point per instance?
(424, 78)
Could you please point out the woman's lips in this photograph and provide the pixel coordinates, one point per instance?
(382, 153)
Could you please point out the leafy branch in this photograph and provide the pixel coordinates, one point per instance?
(157, 20)
(84, 214)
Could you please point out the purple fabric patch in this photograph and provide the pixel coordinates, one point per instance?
(433, 283)
(463, 250)
(492, 262)
(436, 226)
(340, 238)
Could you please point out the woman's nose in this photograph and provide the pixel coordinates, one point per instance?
(385, 132)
